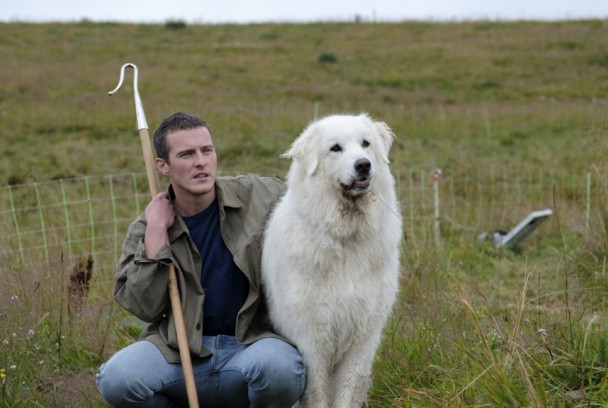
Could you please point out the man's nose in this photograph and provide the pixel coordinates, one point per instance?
(200, 159)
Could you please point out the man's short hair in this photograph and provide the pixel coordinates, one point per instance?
(175, 122)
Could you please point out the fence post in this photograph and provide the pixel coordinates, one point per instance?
(17, 229)
(42, 223)
(91, 219)
(588, 201)
(67, 219)
(436, 177)
(114, 220)
(412, 232)
(135, 193)
(423, 188)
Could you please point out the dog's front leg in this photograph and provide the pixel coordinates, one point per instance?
(316, 394)
(351, 379)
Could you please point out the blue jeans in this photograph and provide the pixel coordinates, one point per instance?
(267, 373)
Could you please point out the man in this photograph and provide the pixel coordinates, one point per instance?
(214, 226)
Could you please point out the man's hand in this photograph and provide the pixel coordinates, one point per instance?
(160, 215)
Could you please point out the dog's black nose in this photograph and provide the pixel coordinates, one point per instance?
(362, 166)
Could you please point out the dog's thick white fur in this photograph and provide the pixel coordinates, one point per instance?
(330, 260)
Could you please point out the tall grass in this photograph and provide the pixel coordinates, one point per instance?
(453, 342)
(51, 339)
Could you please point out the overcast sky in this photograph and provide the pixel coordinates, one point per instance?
(245, 11)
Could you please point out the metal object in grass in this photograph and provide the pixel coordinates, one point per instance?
(182, 338)
(519, 233)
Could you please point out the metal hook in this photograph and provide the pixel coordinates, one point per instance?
(139, 108)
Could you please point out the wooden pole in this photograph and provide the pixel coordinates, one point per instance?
(176, 306)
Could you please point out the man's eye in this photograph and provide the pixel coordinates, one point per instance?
(336, 148)
(365, 144)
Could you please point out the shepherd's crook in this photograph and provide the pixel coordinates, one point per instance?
(182, 339)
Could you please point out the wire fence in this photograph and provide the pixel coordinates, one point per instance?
(71, 219)
(468, 202)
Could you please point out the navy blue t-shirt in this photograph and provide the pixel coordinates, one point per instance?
(225, 285)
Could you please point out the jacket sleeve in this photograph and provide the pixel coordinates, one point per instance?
(140, 283)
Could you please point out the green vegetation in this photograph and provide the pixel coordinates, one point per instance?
(486, 102)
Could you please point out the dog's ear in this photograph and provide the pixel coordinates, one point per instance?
(386, 136)
(302, 150)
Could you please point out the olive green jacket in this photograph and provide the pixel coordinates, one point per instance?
(141, 283)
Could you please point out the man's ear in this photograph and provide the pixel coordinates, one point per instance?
(162, 166)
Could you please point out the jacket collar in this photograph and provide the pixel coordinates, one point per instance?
(226, 193)
(226, 196)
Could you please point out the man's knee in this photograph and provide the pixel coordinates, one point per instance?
(122, 382)
(280, 366)
(120, 388)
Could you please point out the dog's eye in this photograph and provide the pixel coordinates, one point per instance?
(336, 148)
(365, 144)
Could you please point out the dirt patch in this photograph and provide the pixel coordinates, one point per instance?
(71, 390)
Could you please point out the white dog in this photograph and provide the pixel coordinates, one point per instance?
(330, 263)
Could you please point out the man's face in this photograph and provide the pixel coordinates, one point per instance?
(192, 165)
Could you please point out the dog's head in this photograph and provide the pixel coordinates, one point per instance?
(346, 149)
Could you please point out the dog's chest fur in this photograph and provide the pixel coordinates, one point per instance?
(339, 267)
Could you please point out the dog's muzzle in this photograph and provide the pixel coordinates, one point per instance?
(361, 179)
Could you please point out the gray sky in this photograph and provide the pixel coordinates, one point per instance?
(245, 11)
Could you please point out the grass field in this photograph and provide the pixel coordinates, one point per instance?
(475, 325)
